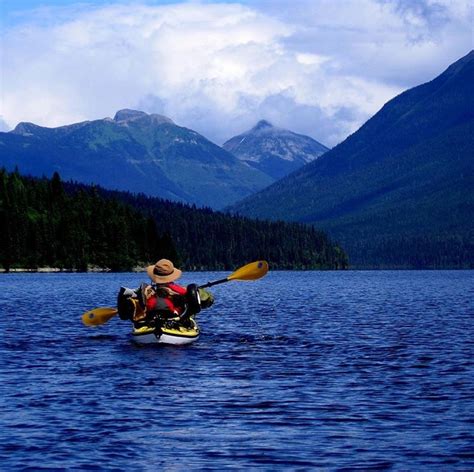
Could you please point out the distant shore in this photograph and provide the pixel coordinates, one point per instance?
(51, 270)
(63, 270)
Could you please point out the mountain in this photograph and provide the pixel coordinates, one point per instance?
(137, 152)
(399, 191)
(275, 151)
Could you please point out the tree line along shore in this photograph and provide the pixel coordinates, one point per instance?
(50, 225)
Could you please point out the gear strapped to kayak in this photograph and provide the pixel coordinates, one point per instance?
(163, 313)
(161, 301)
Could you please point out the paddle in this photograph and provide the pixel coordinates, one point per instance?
(98, 316)
(252, 271)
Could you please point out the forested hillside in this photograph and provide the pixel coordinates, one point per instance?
(205, 238)
(399, 191)
(42, 225)
(73, 226)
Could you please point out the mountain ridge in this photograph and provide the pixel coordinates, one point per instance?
(273, 150)
(407, 172)
(137, 152)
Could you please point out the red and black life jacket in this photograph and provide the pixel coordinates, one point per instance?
(168, 299)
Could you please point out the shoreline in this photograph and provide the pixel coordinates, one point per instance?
(57, 270)
(51, 270)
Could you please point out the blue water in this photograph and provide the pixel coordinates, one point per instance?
(297, 371)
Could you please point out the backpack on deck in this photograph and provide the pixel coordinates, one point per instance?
(130, 304)
(135, 305)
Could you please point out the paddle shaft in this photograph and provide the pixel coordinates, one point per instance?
(210, 284)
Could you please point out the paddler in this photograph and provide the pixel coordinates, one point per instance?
(164, 294)
(163, 298)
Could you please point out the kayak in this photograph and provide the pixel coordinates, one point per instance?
(169, 333)
(158, 328)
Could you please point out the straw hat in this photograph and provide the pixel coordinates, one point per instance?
(163, 272)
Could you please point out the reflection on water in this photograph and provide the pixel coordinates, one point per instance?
(300, 370)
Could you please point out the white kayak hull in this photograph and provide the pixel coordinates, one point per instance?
(177, 335)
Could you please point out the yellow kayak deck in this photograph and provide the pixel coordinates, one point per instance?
(170, 330)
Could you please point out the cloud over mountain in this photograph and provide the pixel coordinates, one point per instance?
(318, 67)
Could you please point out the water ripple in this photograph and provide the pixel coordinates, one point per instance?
(300, 371)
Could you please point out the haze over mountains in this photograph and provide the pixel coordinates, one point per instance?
(399, 191)
(275, 151)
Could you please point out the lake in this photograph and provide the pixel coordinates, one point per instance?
(358, 370)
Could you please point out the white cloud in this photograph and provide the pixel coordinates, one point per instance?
(318, 67)
(3, 125)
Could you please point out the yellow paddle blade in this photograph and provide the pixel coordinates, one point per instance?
(252, 271)
(98, 316)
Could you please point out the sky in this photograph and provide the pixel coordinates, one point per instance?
(316, 67)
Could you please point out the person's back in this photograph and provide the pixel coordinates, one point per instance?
(163, 299)
(167, 299)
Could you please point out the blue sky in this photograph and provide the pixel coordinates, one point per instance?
(318, 67)
(14, 10)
